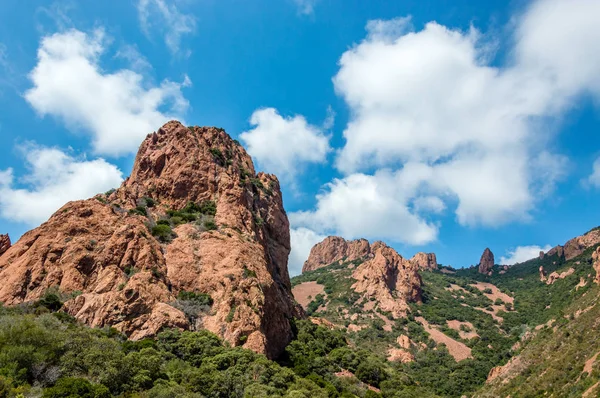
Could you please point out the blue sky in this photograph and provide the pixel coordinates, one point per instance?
(444, 126)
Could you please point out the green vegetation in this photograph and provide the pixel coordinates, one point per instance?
(163, 233)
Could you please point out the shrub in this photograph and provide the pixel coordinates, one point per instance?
(210, 225)
(50, 301)
(71, 387)
(248, 273)
(139, 210)
(162, 232)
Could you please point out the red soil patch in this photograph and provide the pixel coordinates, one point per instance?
(454, 324)
(455, 288)
(495, 294)
(589, 364)
(305, 292)
(457, 349)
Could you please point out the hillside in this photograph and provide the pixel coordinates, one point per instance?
(466, 324)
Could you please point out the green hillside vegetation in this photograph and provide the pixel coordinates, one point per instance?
(434, 370)
(552, 362)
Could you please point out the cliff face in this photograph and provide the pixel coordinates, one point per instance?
(574, 247)
(486, 263)
(425, 261)
(383, 276)
(388, 278)
(4, 243)
(232, 243)
(333, 249)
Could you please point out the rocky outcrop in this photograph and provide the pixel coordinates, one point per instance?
(486, 263)
(101, 255)
(543, 276)
(596, 264)
(4, 243)
(388, 279)
(574, 247)
(554, 276)
(425, 261)
(556, 250)
(333, 249)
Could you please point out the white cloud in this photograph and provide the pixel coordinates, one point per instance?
(165, 17)
(594, 178)
(372, 207)
(306, 7)
(54, 178)
(523, 253)
(477, 134)
(302, 240)
(281, 145)
(118, 109)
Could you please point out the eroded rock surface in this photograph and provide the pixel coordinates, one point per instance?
(425, 261)
(486, 263)
(4, 243)
(333, 249)
(389, 279)
(101, 251)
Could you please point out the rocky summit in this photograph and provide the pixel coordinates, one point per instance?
(486, 263)
(194, 238)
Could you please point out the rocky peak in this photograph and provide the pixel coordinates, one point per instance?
(333, 249)
(486, 263)
(574, 247)
(4, 243)
(220, 229)
(425, 261)
(389, 279)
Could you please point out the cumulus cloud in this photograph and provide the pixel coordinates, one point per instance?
(479, 133)
(523, 253)
(53, 179)
(302, 240)
(373, 207)
(165, 17)
(118, 109)
(281, 145)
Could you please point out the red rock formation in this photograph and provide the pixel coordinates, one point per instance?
(554, 276)
(333, 249)
(4, 243)
(596, 264)
(542, 274)
(425, 261)
(558, 250)
(122, 276)
(574, 247)
(389, 279)
(486, 263)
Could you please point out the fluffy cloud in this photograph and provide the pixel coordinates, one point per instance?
(302, 240)
(54, 178)
(374, 207)
(523, 253)
(167, 19)
(283, 144)
(117, 109)
(431, 100)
